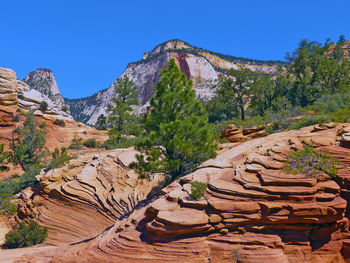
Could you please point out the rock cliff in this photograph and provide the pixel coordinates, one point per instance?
(201, 66)
(44, 81)
(252, 211)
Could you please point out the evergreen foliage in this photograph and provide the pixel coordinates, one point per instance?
(119, 116)
(59, 159)
(43, 106)
(3, 157)
(197, 189)
(101, 123)
(28, 148)
(59, 122)
(24, 235)
(177, 136)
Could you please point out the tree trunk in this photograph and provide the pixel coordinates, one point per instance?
(242, 113)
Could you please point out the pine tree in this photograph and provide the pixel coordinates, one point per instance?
(177, 135)
(28, 148)
(101, 123)
(120, 113)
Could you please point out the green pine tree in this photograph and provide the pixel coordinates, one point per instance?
(101, 123)
(177, 135)
(119, 115)
(28, 148)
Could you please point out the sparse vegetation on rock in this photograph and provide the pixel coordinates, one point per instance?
(90, 143)
(59, 122)
(309, 161)
(77, 144)
(44, 106)
(197, 189)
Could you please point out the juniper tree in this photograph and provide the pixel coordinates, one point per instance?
(235, 88)
(177, 136)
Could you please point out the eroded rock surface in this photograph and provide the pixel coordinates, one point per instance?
(251, 212)
(79, 200)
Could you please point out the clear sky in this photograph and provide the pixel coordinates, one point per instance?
(88, 43)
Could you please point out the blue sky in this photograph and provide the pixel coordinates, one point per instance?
(88, 43)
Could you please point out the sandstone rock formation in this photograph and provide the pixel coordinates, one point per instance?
(201, 66)
(251, 212)
(44, 81)
(79, 200)
(8, 87)
(239, 134)
(16, 98)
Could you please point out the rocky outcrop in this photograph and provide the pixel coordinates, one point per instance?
(239, 134)
(79, 200)
(252, 211)
(16, 98)
(8, 87)
(201, 66)
(44, 81)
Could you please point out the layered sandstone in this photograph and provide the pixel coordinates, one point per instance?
(239, 134)
(79, 200)
(251, 211)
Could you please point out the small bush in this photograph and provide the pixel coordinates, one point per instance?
(59, 122)
(6, 207)
(77, 144)
(16, 118)
(65, 108)
(197, 189)
(20, 96)
(58, 159)
(3, 158)
(308, 161)
(24, 235)
(43, 106)
(123, 143)
(90, 143)
(342, 115)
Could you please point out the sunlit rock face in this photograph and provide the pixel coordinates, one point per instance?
(44, 81)
(252, 211)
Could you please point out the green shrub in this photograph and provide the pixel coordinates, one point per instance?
(197, 189)
(58, 159)
(59, 122)
(77, 144)
(308, 161)
(43, 106)
(6, 207)
(14, 185)
(24, 235)
(3, 158)
(90, 143)
(123, 143)
(342, 115)
(65, 108)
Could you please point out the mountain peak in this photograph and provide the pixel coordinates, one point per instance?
(44, 81)
(173, 44)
